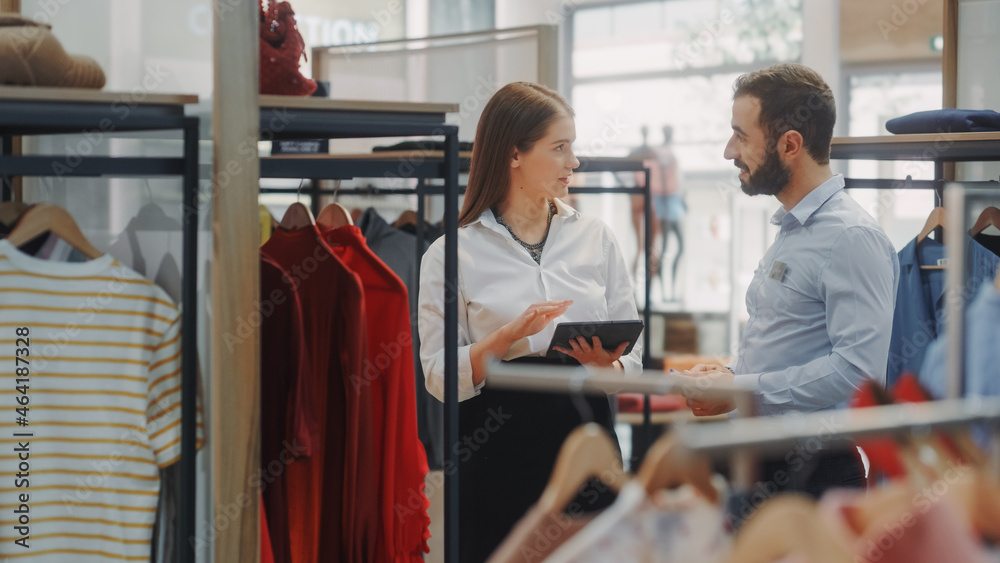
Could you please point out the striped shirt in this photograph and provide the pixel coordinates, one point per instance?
(90, 359)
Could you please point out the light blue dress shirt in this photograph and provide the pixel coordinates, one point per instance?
(982, 350)
(820, 306)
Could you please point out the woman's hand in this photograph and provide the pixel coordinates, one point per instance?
(535, 318)
(531, 321)
(592, 353)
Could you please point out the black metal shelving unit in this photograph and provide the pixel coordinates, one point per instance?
(328, 119)
(30, 111)
(938, 148)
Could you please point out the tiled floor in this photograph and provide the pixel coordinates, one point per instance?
(435, 493)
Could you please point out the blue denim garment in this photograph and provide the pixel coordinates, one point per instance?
(820, 306)
(920, 301)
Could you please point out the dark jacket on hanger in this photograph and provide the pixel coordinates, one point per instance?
(920, 302)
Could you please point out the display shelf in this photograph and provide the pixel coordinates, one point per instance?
(51, 111)
(284, 117)
(944, 147)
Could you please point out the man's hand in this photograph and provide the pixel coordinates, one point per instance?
(704, 378)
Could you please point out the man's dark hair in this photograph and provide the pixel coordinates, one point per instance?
(792, 97)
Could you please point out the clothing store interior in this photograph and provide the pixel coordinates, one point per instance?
(500, 280)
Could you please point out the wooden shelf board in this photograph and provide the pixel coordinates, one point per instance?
(82, 95)
(320, 104)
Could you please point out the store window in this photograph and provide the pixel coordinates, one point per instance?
(875, 97)
(672, 63)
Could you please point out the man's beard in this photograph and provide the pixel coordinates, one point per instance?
(769, 179)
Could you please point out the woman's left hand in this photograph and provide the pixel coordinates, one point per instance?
(592, 353)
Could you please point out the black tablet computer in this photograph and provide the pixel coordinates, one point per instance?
(611, 333)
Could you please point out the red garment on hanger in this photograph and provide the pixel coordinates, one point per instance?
(400, 460)
(908, 390)
(283, 373)
(266, 555)
(882, 452)
(328, 518)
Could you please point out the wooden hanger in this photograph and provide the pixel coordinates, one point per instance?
(11, 211)
(587, 452)
(936, 220)
(990, 217)
(666, 465)
(787, 525)
(297, 216)
(334, 216)
(44, 218)
(408, 217)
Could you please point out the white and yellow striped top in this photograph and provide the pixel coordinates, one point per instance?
(89, 408)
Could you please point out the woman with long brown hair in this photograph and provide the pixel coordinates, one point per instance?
(526, 261)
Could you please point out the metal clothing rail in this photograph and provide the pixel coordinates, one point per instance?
(43, 111)
(775, 433)
(583, 379)
(573, 380)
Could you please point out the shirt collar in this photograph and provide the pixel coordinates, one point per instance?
(487, 218)
(812, 202)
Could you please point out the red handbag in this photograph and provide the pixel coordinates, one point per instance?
(281, 47)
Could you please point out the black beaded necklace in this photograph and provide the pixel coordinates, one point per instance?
(535, 250)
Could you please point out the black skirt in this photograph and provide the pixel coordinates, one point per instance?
(509, 441)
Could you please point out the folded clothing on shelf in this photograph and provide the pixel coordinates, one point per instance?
(945, 121)
(33, 56)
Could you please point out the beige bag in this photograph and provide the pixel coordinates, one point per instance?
(31, 56)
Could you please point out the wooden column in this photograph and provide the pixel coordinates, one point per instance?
(949, 54)
(235, 285)
(949, 68)
(14, 6)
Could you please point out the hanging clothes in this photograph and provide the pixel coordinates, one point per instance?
(982, 350)
(102, 378)
(933, 530)
(920, 301)
(388, 370)
(331, 495)
(668, 527)
(398, 250)
(288, 423)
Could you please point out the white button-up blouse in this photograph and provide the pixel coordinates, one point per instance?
(498, 280)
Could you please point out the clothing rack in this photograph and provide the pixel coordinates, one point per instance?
(936, 147)
(66, 111)
(425, 165)
(311, 118)
(957, 211)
